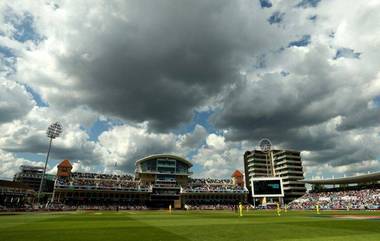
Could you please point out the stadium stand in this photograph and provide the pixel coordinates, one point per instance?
(349, 192)
(31, 177)
(212, 185)
(213, 194)
(160, 180)
(94, 189)
(353, 199)
(15, 196)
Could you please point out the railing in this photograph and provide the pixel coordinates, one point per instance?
(90, 187)
(167, 186)
(184, 190)
(165, 172)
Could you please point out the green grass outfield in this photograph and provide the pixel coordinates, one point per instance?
(182, 226)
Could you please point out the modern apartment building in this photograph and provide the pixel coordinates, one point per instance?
(286, 164)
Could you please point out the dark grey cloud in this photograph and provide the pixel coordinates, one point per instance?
(312, 108)
(363, 118)
(158, 62)
(275, 103)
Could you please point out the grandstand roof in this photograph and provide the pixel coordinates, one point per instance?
(65, 163)
(165, 156)
(237, 173)
(371, 177)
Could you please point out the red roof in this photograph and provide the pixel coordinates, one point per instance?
(237, 173)
(65, 163)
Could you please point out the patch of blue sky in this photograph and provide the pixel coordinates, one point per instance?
(37, 97)
(196, 169)
(24, 26)
(200, 118)
(304, 41)
(6, 52)
(308, 3)
(32, 156)
(97, 128)
(8, 61)
(346, 53)
(276, 17)
(101, 125)
(193, 152)
(265, 3)
(377, 100)
(114, 121)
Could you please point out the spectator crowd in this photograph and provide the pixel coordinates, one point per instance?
(100, 181)
(212, 185)
(356, 199)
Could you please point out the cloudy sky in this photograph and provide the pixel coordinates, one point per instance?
(202, 79)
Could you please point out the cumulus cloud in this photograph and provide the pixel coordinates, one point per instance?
(193, 139)
(323, 104)
(303, 73)
(29, 135)
(126, 144)
(15, 101)
(144, 63)
(219, 158)
(10, 164)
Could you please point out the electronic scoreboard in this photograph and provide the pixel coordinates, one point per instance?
(267, 187)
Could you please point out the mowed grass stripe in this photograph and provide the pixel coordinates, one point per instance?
(160, 225)
(85, 227)
(273, 231)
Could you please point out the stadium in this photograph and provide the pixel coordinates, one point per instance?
(153, 120)
(163, 202)
(160, 181)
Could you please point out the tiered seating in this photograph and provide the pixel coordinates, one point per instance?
(212, 185)
(100, 181)
(357, 199)
(102, 176)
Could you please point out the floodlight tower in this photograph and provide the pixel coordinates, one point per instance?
(53, 131)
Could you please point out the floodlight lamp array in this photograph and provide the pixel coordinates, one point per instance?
(54, 130)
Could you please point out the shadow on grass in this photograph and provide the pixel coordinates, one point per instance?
(87, 227)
